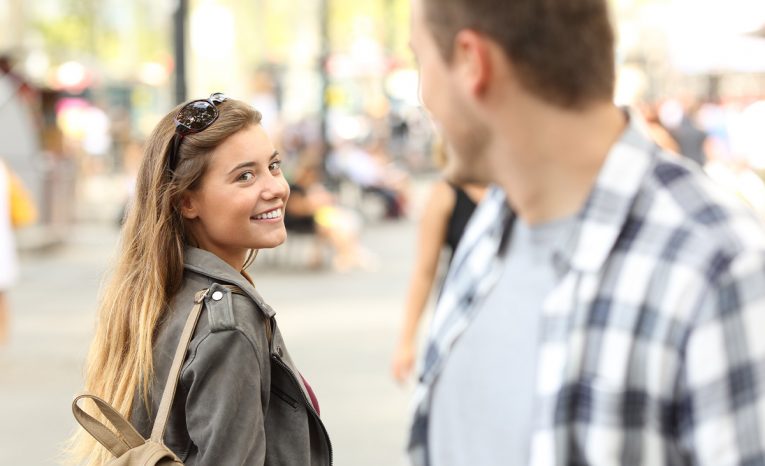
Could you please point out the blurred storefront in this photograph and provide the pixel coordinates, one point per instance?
(96, 74)
(339, 66)
(297, 58)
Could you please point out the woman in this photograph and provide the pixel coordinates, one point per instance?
(209, 192)
(445, 216)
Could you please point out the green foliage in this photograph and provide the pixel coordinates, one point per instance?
(82, 31)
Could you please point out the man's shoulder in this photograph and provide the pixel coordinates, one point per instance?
(693, 216)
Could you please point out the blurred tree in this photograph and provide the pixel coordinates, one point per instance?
(111, 32)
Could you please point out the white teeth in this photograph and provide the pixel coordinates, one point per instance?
(269, 215)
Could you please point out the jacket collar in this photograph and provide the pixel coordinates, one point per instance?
(603, 216)
(208, 264)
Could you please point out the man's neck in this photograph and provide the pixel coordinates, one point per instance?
(547, 160)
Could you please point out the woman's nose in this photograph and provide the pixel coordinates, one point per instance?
(276, 187)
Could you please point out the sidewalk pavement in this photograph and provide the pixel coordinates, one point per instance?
(340, 329)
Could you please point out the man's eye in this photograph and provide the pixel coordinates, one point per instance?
(275, 165)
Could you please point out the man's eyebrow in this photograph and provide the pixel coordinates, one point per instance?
(251, 164)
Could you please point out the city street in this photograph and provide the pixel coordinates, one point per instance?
(340, 329)
(621, 134)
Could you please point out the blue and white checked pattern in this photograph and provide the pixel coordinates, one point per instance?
(653, 340)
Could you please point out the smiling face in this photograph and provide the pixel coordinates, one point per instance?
(239, 204)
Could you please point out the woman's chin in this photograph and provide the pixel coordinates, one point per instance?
(272, 242)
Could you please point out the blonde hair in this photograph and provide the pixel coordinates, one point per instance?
(148, 270)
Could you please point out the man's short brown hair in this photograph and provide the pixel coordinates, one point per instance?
(563, 50)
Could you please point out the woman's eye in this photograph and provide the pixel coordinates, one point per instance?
(275, 165)
(246, 176)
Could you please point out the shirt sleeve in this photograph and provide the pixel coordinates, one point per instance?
(722, 398)
(224, 412)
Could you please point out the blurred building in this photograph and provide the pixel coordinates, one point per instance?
(105, 69)
(701, 47)
(334, 69)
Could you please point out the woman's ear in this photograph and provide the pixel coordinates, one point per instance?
(188, 206)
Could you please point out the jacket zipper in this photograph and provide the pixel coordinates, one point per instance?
(307, 403)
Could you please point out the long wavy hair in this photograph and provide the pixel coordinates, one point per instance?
(149, 268)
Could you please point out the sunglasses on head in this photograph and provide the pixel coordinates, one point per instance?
(194, 117)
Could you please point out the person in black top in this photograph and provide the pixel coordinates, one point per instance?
(446, 214)
(464, 205)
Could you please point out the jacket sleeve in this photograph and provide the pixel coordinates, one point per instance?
(224, 414)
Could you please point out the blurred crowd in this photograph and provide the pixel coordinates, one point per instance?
(346, 168)
(724, 136)
(363, 159)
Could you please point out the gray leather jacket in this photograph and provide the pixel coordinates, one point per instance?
(238, 401)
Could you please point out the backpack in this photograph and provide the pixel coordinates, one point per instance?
(126, 444)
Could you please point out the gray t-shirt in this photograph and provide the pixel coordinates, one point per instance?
(483, 400)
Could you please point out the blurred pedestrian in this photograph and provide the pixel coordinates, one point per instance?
(313, 209)
(210, 192)
(8, 258)
(680, 119)
(372, 170)
(446, 213)
(655, 129)
(606, 304)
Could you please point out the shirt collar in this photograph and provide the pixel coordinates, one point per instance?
(605, 212)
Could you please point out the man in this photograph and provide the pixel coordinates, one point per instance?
(618, 316)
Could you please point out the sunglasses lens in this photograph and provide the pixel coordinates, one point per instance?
(197, 115)
(193, 117)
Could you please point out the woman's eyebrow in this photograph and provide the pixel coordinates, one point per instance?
(251, 164)
(242, 165)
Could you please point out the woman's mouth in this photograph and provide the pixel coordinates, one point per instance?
(270, 215)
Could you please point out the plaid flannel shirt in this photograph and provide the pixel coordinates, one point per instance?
(652, 346)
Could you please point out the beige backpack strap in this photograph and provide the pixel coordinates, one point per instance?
(163, 412)
(117, 443)
(126, 436)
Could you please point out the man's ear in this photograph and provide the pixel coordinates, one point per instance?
(188, 206)
(472, 59)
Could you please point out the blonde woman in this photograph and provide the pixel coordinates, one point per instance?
(210, 192)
